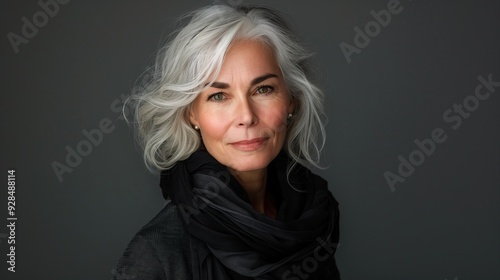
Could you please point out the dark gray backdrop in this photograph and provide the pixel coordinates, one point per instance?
(66, 79)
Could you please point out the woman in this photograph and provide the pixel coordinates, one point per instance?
(230, 118)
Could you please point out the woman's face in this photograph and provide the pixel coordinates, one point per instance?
(242, 115)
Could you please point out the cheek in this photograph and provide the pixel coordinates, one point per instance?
(275, 118)
(213, 126)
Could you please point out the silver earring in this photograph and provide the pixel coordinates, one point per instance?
(196, 127)
(290, 115)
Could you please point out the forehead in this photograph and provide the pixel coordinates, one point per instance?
(250, 57)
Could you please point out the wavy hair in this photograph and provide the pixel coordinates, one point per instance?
(194, 53)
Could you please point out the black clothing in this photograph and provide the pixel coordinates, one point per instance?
(160, 250)
(210, 231)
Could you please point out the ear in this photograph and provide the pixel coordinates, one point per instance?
(292, 105)
(192, 117)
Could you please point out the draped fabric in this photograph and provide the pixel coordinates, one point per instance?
(233, 241)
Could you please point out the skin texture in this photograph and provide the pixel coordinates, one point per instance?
(242, 115)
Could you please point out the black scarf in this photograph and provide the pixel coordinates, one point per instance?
(230, 240)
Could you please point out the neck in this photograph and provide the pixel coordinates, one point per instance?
(254, 184)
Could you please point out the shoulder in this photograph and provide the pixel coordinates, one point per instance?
(160, 250)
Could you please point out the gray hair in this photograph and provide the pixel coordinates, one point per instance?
(185, 64)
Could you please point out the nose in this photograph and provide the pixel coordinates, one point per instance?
(245, 114)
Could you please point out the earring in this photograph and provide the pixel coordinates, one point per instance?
(290, 115)
(196, 127)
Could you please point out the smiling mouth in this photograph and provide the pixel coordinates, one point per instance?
(249, 145)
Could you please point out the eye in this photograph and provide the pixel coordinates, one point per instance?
(218, 97)
(265, 90)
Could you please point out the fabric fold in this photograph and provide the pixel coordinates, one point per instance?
(233, 241)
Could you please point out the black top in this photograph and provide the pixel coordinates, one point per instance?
(229, 239)
(160, 250)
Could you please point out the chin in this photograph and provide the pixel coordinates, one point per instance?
(250, 164)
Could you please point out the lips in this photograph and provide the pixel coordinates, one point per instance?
(249, 145)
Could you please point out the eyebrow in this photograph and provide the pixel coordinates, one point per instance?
(255, 81)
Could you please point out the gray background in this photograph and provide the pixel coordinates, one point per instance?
(442, 222)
